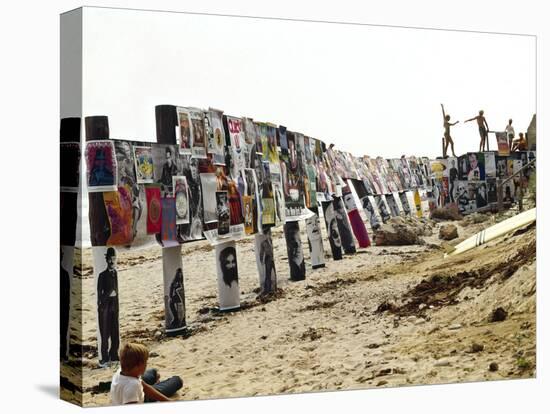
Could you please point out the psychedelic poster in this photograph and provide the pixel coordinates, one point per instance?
(118, 205)
(181, 195)
(174, 292)
(168, 223)
(101, 166)
(154, 209)
(183, 136)
(143, 157)
(237, 143)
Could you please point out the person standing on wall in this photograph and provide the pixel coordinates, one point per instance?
(447, 134)
(510, 133)
(483, 130)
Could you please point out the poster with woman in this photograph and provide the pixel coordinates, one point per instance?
(198, 143)
(265, 261)
(476, 166)
(181, 195)
(236, 138)
(193, 230)
(294, 250)
(252, 192)
(228, 276)
(101, 166)
(314, 236)
(216, 142)
(184, 128)
(174, 292)
(332, 229)
(143, 157)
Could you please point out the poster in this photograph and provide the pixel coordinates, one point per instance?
(417, 203)
(344, 228)
(216, 142)
(316, 250)
(174, 292)
(143, 157)
(405, 203)
(453, 178)
(193, 230)
(118, 205)
(101, 166)
(107, 296)
(228, 276)
(209, 187)
(222, 212)
(237, 144)
(183, 136)
(355, 220)
(466, 198)
(383, 207)
(250, 140)
(502, 144)
(181, 195)
(476, 166)
(294, 250)
(165, 167)
(369, 206)
(168, 233)
(70, 166)
(263, 247)
(154, 210)
(65, 283)
(252, 192)
(332, 230)
(390, 201)
(279, 198)
(248, 212)
(198, 143)
(490, 165)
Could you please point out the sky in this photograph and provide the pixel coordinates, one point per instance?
(370, 90)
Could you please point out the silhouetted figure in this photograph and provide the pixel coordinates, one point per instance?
(483, 130)
(447, 134)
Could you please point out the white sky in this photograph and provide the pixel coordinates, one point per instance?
(370, 90)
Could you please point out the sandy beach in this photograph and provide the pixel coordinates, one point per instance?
(386, 316)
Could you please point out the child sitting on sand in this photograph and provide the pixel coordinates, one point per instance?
(133, 384)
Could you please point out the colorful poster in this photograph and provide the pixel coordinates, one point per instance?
(174, 292)
(168, 232)
(263, 247)
(237, 144)
(101, 166)
(184, 138)
(502, 144)
(222, 213)
(181, 195)
(118, 205)
(70, 166)
(248, 209)
(154, 210)
(143, 157)
(216, 136)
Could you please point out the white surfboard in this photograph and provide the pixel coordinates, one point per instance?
(495, 231)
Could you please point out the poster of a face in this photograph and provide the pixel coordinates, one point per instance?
(369, 206)
(502, 167)
(237, 141)
(209, 186)
(344, 227)
(198, 143)
(66, 275)
(390, 201)
(332, 230)
(466, 197)
(482, 196)
(280, 215)
(193, 230)
(181, 195)
(223, 214)
(405, 203)
(294, 250)
(382, 207)
(349, 201)
(107, 295)
(70, 166)
(463, 167)
(250, 141)
(143, 157)
(165, 167)
(101, 166)
(217, 139)
(476, 171)
(174, 292)
(184, 137)
(317, 252)
(228, 279)
(263, 246)
(118, 205)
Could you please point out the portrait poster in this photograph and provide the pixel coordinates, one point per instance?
(154, 209)
(267, 197)
(463, 167)
(101, 166)
(482, 195)
(294, 250)
(174, 291)
(183, 136)
(476, 166)
(165, 166)
(502, 166)
(65, 283)
(369, 206)
(228, 276)
(118, 205)
(69, 173)
(249, 130)
(107, 295)
(248, 212)
(181, 195)
(237, 143)
(168, 232)
(273, 153)
(490, 164)
(209, 187)
(332, 229)
(280, 209)
(492, 190)
(143, 157)
(222, 212)
(198, 142)
(390, 201)
(383, 207)
(260, 135)
(466, 198)
(312, 179)
(314, 236)
(216, 141)
(265, 261)
(502, 144)
(405, 203)
(252, 192)
(235, 205)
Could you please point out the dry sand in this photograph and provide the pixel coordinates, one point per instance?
(329, 331)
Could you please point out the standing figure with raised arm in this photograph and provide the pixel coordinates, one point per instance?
(483, 130)
(447, 134)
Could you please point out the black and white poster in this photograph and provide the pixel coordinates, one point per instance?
(222, 212)
(490, 164)
(491, 190)
(107, 295)
(209, 186)
(174, 292)
(382, 207)
(344, 227)
(263, 246)
(228, 276)
(198, 144)
(482, 197)
(369, 206)
(65, 282)
(394, 211)
(405, 203)
(332, 230)
(317, 252)
(294, 250)
(165, 167)
(452, 167)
